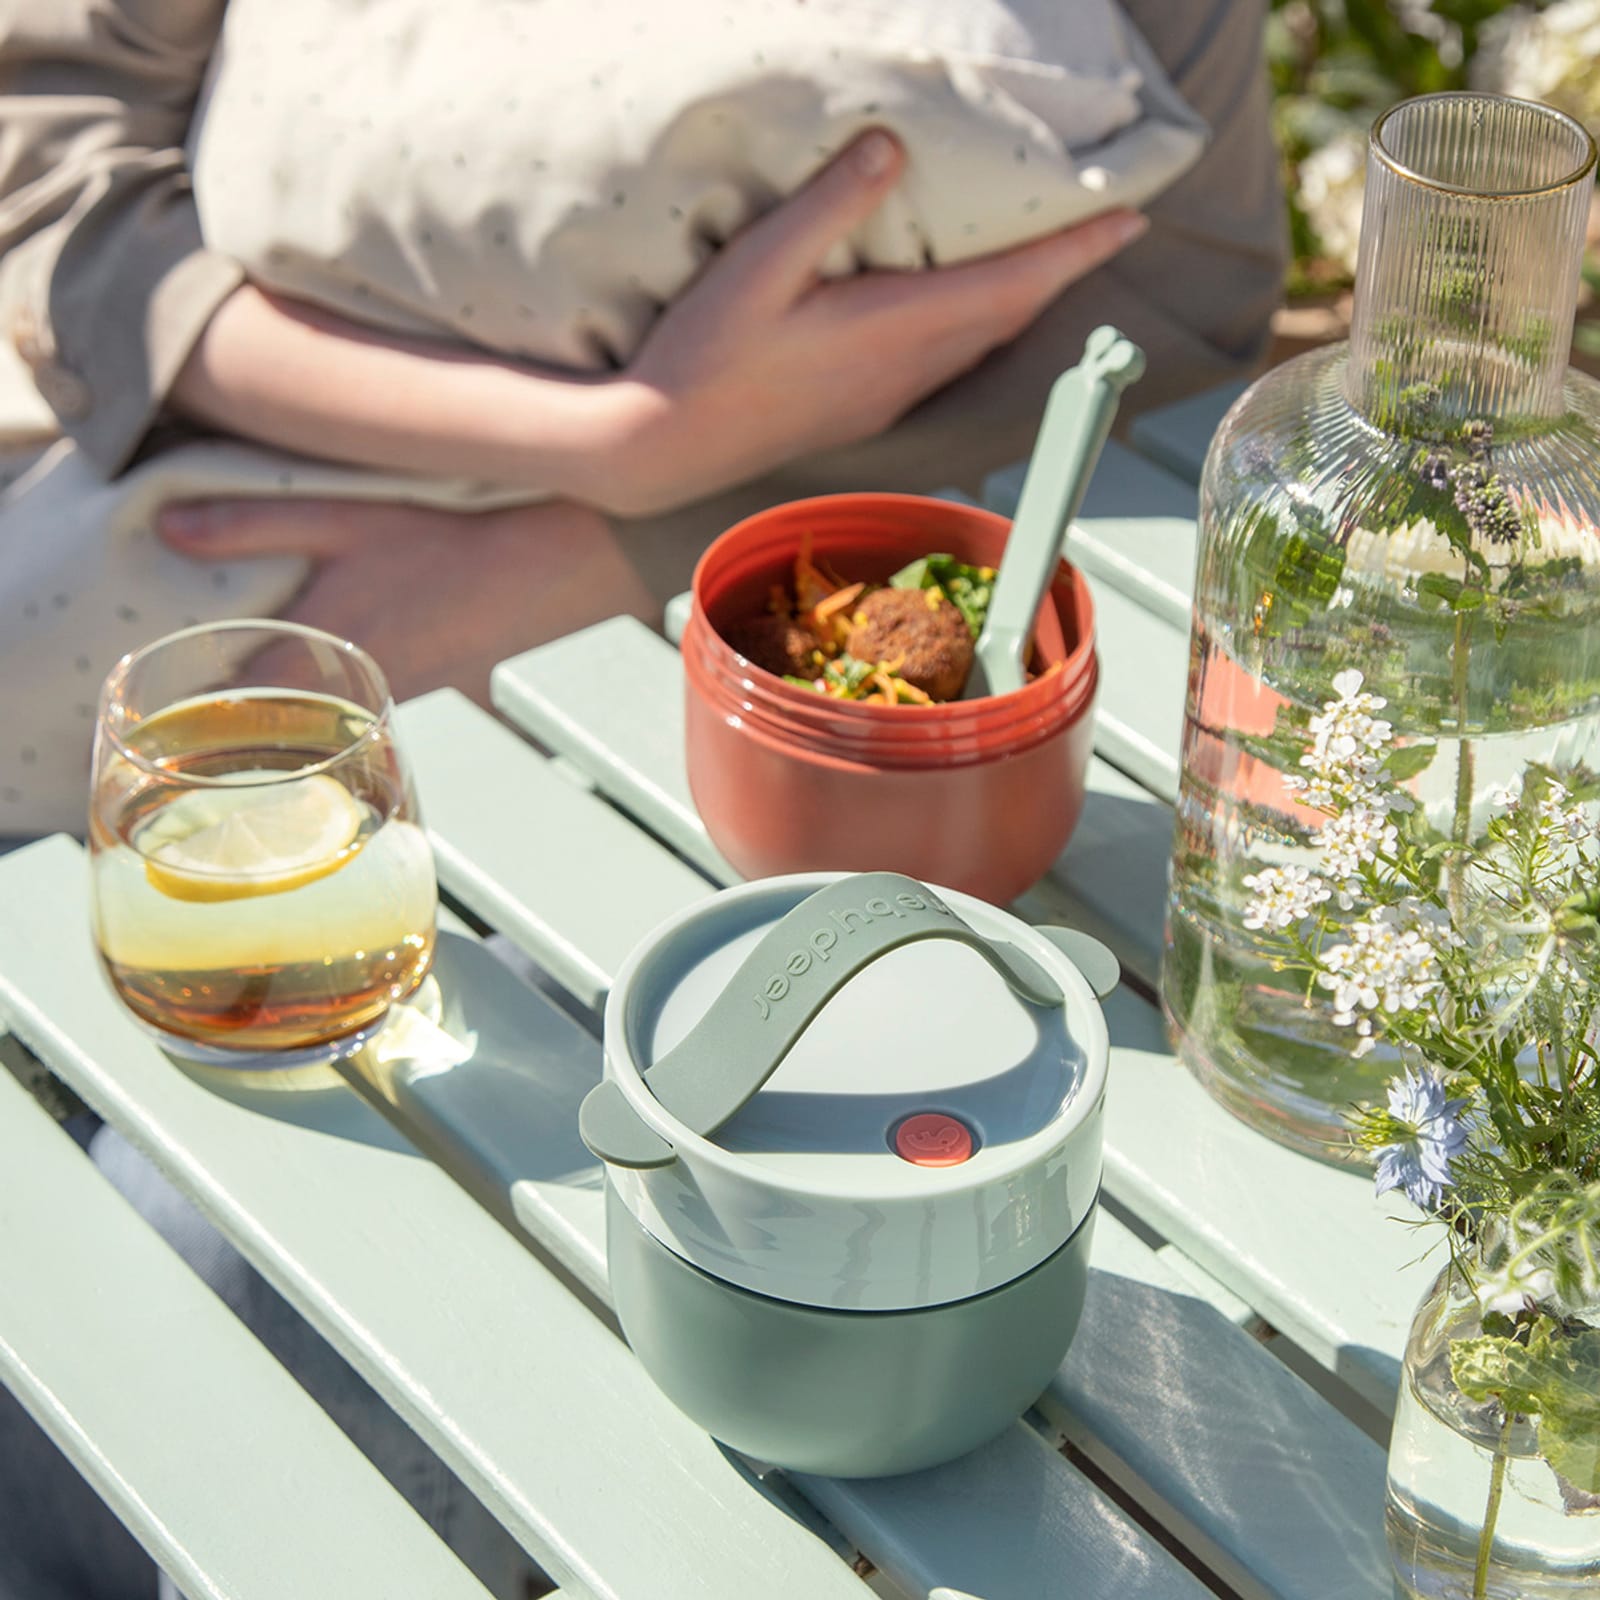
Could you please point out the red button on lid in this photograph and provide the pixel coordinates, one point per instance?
(931, 1139)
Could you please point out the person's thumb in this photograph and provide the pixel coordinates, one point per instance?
(783, 251)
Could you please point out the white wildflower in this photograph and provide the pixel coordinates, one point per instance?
(1507, 798)
(1315, 791)
(1563, 819)
(1331, 187)
(1432, 922)
(1545, 55)
(1389, 965)
(1357, 837)
(1345, 757)
(1283, 897)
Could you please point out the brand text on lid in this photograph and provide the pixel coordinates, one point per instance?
(820, 945)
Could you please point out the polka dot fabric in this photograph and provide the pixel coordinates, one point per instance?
(540, 176)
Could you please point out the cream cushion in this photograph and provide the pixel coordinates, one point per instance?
(540, 176)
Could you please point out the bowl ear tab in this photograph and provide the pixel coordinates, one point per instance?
(1099, 967)
(616, 1133)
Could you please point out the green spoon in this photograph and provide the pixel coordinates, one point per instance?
(1077, 418)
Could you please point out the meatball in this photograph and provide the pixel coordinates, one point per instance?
(921, 631)
(778, 645)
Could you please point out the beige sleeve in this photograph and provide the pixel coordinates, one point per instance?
(104, 281)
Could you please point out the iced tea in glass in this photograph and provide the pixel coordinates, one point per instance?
(263, 891)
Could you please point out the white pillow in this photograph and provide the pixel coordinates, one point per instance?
(540, 176)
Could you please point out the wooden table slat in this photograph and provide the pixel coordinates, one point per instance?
(541, 1411)
(232, 1478)
(553, 692)
(1305, 1244)
(522, 846)
(1144, 673)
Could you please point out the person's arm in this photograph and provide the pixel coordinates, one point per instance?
(104, 281)
(757, 362)
(307, 380)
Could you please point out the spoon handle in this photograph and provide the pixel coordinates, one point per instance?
(1078, 416)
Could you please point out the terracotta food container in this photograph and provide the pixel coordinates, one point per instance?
(852, 1135)
(979, 794)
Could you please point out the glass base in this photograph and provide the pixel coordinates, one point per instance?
(191, 1052)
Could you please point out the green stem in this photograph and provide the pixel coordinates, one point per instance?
(1491, 1512)
(1460, 659)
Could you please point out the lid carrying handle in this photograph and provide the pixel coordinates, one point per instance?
(801, 963)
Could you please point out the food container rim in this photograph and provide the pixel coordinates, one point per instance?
(1086, 1026)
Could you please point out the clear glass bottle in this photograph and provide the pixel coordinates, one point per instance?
(1473, 1507)
(1421, 504)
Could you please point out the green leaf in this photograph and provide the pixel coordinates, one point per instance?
(916, 575)
(969, 589)
(1554, 1377)
(846, 673)
(1436, 583)
(1578, 911)
(1573, 1450)
(1407, 761)
(1493, 1368)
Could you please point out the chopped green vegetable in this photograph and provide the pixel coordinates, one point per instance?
(846, 673)
(969, 589)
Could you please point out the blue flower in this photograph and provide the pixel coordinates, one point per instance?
(1432, 1135)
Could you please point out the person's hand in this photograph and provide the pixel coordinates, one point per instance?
(436, 597)
(760, 361)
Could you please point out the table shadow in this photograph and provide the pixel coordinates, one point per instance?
(478, 1071)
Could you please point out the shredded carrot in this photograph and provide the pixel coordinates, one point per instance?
(838, 601)
(827, 618)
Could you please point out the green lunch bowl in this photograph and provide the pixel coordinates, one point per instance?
(852, 1135)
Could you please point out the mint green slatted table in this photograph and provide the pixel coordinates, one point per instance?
(1212, 1430)
(157, 1394)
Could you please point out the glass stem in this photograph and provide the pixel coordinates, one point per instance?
(1491, 1511)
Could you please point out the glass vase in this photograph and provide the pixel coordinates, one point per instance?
(1474, 1507)
(1420, 505)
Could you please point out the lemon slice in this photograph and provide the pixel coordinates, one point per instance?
(261, 838)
